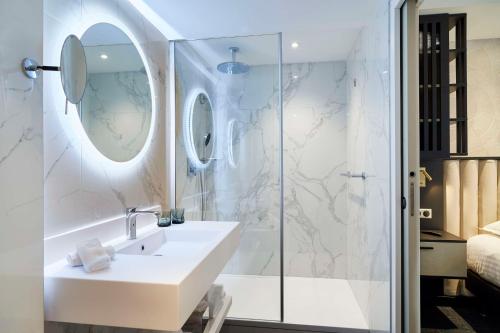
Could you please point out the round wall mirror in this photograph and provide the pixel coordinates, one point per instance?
(199, 130)
(73, 69)
(116, 108)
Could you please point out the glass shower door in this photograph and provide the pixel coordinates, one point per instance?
(228, 157)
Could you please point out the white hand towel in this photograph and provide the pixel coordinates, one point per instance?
(93, 255)
(74, 259)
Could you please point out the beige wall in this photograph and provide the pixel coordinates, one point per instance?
(483, 98)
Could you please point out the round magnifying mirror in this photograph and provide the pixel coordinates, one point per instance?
(73, 68)
(199, 130)
(117, 108)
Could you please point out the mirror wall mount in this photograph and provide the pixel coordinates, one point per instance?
(31, 68)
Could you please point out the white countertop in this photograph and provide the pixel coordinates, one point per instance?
(137, 289)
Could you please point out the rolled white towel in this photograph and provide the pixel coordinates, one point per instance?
(93, 255)
(74, 259)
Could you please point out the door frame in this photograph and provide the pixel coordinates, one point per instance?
(405, 273)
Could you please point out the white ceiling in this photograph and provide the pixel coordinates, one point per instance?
(483, 16)
(325, 29)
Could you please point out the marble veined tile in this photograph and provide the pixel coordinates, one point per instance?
(368, 144)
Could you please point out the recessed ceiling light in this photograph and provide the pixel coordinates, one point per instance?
(104, 56)
(295, 45)
(295, 77)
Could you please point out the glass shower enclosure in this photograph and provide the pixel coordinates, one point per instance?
(297, 150)
(228, 154)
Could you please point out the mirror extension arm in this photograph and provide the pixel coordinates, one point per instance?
(31, 68)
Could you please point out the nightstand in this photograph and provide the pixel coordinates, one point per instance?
(443, 256)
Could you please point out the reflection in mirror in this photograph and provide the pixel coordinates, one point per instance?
(73, 69)
(199, 130)
(233, 145)
(116, 110)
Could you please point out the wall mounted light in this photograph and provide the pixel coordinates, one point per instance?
(424, 177)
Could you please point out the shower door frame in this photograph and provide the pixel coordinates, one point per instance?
(405, 297)
(171, 144)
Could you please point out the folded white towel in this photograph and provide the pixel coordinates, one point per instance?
(93, 255)
(74, 259)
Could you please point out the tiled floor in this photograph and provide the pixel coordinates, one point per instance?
(458, 315)
(308, 301)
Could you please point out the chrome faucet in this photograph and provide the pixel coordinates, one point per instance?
(131, 216)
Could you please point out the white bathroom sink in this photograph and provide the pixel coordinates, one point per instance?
(195, 236)
(155, 282)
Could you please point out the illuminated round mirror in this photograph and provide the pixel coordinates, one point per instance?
(233, 143)
(199, 130)
(116, 109)
(73, 67)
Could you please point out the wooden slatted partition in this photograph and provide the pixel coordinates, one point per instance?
(434, 86)
(458, 23)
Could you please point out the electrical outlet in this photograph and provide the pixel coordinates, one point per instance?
(425, 213)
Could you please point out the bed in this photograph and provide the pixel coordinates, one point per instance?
(471, 207)
(483, 267)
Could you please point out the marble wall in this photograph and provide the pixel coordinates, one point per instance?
(21, 170)
(368, 150)
(315, 142)
(81, 186)
(315, 126)
(483, 98)
(249, 191)
(246, 191)
(314, 129)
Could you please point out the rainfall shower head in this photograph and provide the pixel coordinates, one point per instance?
(233, 67)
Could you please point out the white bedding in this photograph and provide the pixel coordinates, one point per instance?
(483, 257)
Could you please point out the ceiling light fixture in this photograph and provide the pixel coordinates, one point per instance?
(104, 56)
(295, 45)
